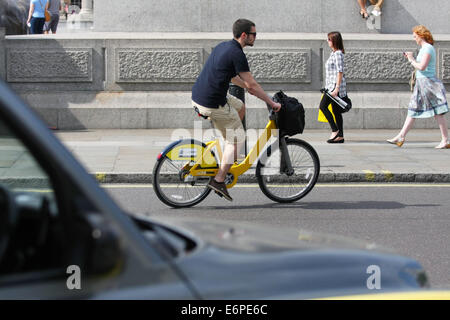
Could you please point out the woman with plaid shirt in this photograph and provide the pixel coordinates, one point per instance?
(336, 85)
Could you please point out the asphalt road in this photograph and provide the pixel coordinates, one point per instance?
(412, 219)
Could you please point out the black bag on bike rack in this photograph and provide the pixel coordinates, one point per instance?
(291, 117)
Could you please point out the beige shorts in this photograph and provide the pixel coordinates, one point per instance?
(226, 119)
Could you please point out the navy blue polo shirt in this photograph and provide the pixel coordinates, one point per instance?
(225, 62)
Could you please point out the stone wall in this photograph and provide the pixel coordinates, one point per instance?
(122, 80)
(305, 16)
(171, 62)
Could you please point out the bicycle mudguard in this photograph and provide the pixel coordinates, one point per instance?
(189, 150)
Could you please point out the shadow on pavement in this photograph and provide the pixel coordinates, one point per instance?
(343, 205)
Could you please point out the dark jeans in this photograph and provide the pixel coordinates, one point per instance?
(339, 124)
(52, 24)
(37, 25)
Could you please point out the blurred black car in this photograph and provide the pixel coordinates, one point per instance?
(63, 237)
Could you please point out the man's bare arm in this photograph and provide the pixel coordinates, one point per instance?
(255, 89)
(238, 81)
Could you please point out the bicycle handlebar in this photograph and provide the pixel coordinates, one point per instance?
(272, 114)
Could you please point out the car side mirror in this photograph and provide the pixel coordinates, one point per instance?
(105, 251)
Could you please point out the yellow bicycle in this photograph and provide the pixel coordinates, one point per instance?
(286, 171)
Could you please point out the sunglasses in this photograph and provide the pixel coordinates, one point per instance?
(253, 33)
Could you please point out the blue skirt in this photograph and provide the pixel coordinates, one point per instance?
(428, 98)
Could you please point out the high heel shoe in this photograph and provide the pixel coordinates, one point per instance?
(445, 145)
(397, 141)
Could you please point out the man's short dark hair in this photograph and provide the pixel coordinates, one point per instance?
(242, 25)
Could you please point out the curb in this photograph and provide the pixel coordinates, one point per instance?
(146, 178)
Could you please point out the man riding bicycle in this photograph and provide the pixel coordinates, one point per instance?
(227, 62)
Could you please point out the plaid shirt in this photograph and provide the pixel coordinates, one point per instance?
(334, 65)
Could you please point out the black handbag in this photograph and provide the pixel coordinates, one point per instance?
(345, 103)
(349, 104)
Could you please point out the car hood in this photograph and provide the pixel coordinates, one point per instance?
(253, 261)
(256, 237)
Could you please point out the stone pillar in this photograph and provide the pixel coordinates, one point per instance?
(86, 10)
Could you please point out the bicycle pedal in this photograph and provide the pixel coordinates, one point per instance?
(219, 194)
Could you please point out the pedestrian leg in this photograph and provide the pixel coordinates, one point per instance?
(324, 103)
(399, 139)
(406, 127)
(440, 118)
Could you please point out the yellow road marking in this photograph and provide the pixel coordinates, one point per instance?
(34, 190)
(378, 185)
(388, 176)
(370, 175)
(321, 185)
(100, 177)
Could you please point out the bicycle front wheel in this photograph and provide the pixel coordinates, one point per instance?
(171, 180)
(280, 186)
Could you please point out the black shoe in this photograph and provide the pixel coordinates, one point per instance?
(332, 139)
(335, 137)
(220, 188)
(335, 141)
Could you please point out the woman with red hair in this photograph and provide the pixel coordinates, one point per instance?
(428, 99)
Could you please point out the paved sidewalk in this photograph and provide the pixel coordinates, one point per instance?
(128, 156)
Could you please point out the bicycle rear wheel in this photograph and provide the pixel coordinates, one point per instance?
(171, 180)
(288, 187)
